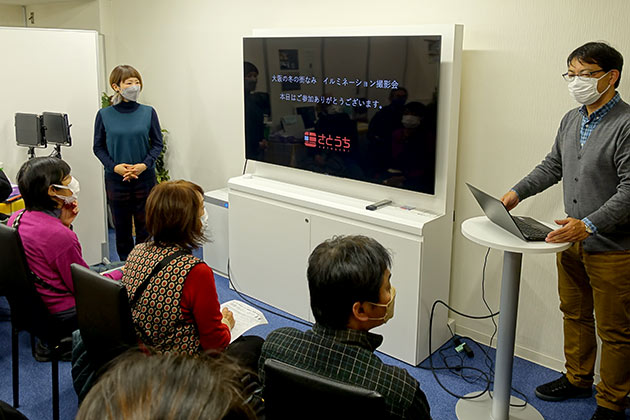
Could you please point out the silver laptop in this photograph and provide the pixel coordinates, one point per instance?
(523, 227)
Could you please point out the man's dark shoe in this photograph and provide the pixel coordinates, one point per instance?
(603, 413)
(42, 351)
(561, 389)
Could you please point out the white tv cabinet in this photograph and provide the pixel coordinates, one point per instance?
(278, 215)
(274, 226)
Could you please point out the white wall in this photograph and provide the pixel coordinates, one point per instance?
(38, 78)
(79, 14)
(513, 97)
(11, 15)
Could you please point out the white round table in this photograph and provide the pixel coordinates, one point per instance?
(483, 232)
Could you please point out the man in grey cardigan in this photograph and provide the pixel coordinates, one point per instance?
(591, 154)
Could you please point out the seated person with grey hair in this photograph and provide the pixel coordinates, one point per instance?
(170, 387)
(351, 293)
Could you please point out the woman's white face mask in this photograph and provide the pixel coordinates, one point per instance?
(204, 221)
(74, 188)
(411, 121)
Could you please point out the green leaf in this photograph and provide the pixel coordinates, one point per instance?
(161, 173)
(105, 100)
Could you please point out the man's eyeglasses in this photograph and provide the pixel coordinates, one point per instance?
(585, 75)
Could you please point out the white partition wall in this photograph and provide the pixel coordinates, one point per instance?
(57, 71)
(279, 214)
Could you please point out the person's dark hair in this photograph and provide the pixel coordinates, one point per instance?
(341, 271)
(172, 214)
(393, 92)
(34, 178)
(249, 68)
(5, 186)
(168, 387)
(601, 54)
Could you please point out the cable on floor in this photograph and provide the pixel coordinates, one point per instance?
(460, 369)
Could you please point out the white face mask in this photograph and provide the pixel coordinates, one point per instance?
(389, 314)
(585, 91)
(204, 221)
(410, 121)
(74, 188)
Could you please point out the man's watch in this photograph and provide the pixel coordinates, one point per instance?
(588, 229)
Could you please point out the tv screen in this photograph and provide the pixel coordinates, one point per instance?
(363, 107)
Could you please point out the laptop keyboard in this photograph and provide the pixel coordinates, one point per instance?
(535, 233)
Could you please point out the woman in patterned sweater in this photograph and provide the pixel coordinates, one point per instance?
(172, 293)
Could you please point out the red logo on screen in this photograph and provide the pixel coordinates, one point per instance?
(310, 139)
(326, 142)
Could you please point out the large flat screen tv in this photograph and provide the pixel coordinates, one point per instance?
(358, 107)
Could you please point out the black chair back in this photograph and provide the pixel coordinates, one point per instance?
(103, 315)
(290, 392)
(28, 311)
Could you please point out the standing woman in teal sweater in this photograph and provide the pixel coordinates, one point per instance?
(127, 141)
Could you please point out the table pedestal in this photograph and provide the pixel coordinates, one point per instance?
(484, 232)
(498, 407)
(481, 409)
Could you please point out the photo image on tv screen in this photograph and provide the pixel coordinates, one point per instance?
(363, 108)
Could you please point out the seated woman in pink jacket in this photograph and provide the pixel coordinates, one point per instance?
(50, 198)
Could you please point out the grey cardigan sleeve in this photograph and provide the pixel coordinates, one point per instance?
(543, 176)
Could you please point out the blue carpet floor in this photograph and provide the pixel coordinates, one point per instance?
(35, 377)
(526, 375)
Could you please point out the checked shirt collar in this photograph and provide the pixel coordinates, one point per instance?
(364, 339)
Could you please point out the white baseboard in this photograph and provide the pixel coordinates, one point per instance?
(451, 324)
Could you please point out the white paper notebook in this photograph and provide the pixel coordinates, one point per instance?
(245, 317)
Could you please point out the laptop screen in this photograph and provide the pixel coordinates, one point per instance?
(495, 211)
